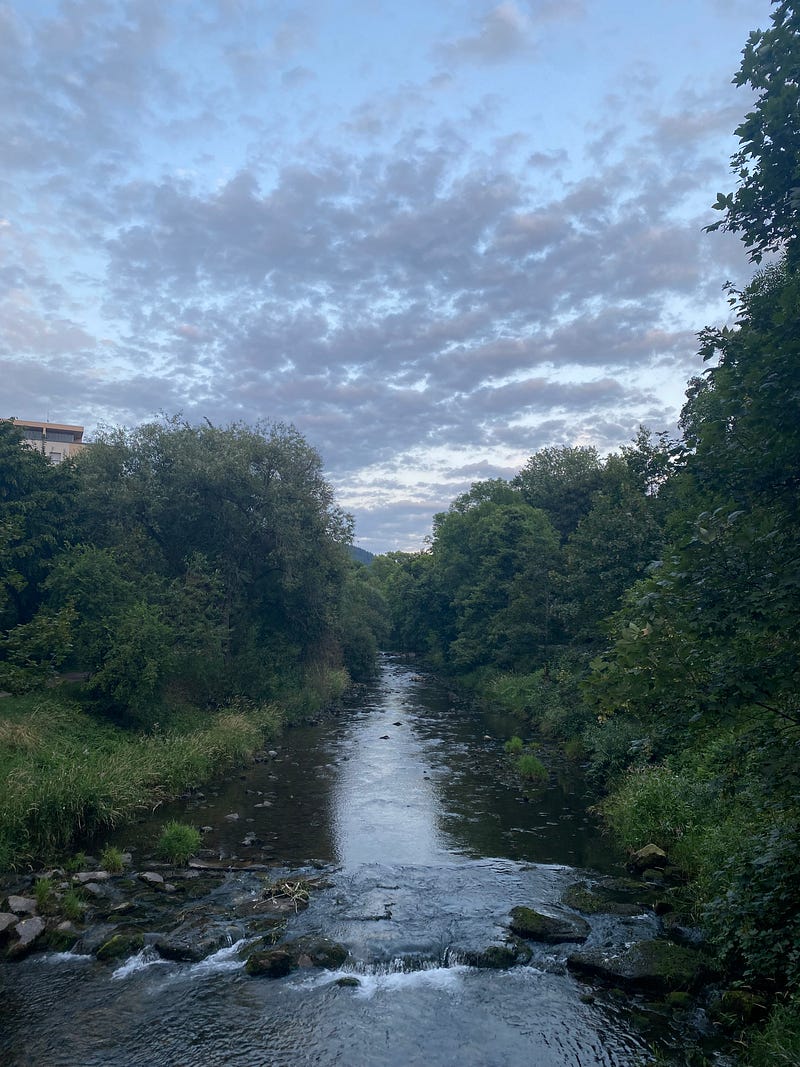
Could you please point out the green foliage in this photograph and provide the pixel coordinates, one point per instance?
(44, 892)
(765, 207)
(531, 768)
(514, 746)
(72, 905)
(111, 859)
(655, 804)
(754, 919)
(178, 842)
(778, 1044)
(561, 482)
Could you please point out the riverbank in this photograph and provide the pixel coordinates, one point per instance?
(65, 773)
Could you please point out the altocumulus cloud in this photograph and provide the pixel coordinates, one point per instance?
(215, 215)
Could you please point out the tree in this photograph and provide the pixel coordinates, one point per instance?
(561, 481)
(765, 208)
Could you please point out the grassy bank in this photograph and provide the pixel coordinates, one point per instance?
(65, 773)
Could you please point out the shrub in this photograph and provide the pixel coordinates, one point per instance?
(514, 746)
(178, 842)
(656, 804)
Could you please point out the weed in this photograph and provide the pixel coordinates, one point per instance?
(43, 891)
(111, 859)
(72, 906)
(178, 842)
(514, 746)
(531, 768)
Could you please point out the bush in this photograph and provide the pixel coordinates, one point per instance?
(656, 804)
(514, 746)
(614, 746)
(178, 842)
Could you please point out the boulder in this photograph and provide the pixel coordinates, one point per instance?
(151, 878)
(649, 856)
(498, 957)
(308, 951)
(192, 941)
(22, 905)
(658, 966)
(120, 946)
(84, 877)
(614, 898)
(28, 931)
(551, 929)
(7, 921)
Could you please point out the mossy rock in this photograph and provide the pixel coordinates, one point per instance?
(735, 1008)
(348, 981)
(551, 929)
(499, 957)
(308, 951)
(660, 966)
(603, 900)
(120, 946)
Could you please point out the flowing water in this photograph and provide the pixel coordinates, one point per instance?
(403, 802)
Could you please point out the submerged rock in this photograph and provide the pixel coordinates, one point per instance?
(614, 898)
(660, 966)
(551, 929)
(194, 940)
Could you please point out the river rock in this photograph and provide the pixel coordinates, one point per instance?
(7, 921)
(499, 957)
(649, 856)
(308, 951)
(120, 946)
(551, 929)
(151, 878)
(195, 939)
(63, 937)
(28, 932)
(95, 889)
(83, 877)
(659, 966)
(613, 898)
(22, 905)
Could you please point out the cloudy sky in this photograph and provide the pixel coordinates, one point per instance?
(435, 235)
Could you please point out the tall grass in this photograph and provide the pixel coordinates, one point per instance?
(63, 773)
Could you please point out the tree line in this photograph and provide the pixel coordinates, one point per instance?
(173, 561)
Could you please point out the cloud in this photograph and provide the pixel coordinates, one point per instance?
(502, 34)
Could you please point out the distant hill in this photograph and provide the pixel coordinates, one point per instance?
(360, 555)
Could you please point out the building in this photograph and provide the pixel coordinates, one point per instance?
(55, 440)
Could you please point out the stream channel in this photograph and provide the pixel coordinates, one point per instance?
(403, 803)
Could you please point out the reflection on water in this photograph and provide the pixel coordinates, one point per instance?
(384, 805)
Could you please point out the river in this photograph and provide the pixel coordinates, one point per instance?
(405, 804)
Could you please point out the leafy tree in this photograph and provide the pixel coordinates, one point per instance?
(561, 481)
(494, 561)
(35, 499)
(765, 208)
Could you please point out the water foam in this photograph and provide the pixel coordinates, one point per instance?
(148, 957)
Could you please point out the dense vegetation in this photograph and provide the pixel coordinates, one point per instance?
(644, 608)
(199, 579)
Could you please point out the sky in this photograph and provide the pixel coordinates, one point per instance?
(434, 236)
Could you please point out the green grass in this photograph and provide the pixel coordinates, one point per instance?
(111, 859)
(531, 768)
(178, 842)
(778, 1044)
(65, 774)
(514, 746)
